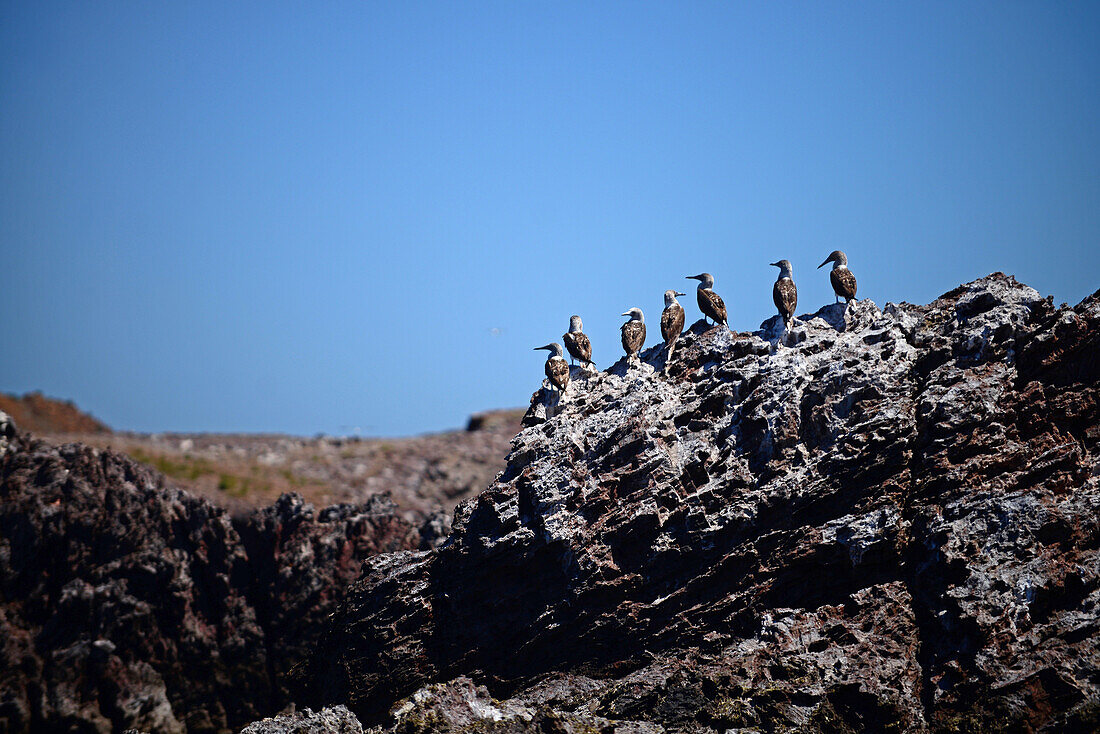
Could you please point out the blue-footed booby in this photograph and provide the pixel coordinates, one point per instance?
(784, 292)
(577, 342)
(634, 332)
(672, 322)
(557, 370)
(710, 303)
(844, 283)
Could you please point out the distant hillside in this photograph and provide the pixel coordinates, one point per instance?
(37, 413)
(241, 472)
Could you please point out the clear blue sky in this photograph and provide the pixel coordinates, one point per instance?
(311, 217)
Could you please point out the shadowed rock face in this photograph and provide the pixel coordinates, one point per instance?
(882, 521)
(127, 603)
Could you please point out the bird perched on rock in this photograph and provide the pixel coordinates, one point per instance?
(577, 342)
(557, 370)
(672, 322)
(784, 292)
(844, 283)
(710, 303)
(634, 332)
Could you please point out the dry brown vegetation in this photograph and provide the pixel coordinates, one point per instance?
(244, 471)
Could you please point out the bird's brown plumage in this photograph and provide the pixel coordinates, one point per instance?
(557, 371)
(710, 303)
(633, 336)
(578, 345)
(844, 283)
(672, 323)
(785, 295)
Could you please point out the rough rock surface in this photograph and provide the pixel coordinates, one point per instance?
(335, 720)
(303, 560)
(885, 520)
(125, 603)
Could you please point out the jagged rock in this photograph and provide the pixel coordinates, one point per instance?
(335, 720)
(435, 530)
(880, 520)
(125, 603)
(461, 705)
(302, 560)
(7, 432)
(454, 706)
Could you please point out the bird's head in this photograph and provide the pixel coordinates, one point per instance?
(706, 280)
(837, 257)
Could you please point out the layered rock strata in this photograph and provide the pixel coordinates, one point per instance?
(883, 520)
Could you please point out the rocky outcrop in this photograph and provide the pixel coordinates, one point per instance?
(883, 520)
(335, 720)
(302, 561)
(126, 603)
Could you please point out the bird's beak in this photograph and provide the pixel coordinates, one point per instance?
(827, 260)
(774, 265)
(681, 294)
(626, 314)
(693, 277)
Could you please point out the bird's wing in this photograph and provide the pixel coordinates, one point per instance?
(574, 344)
(570, 343)
(672, 322)
(712, 305)
(785, 295)
(633, 336)
(584, 347)
(558, 372)
(844, 283)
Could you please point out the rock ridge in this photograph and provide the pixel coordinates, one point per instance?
(883, 520)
